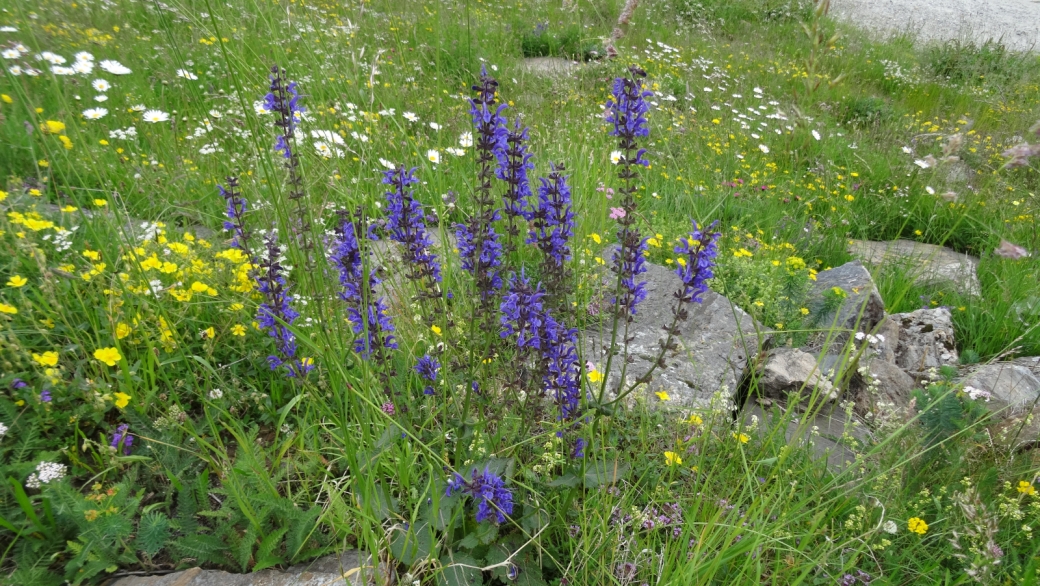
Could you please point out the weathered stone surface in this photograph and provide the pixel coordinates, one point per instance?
(713, 346)
(1015, 387)
(789, 370)
(334, 570)
(861, 310)
(549, 66)
(1012, 385)
(883, 388)
(828, 432)
(925, 340)
(925, 263)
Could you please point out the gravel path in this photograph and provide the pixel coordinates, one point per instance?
(1015, 22)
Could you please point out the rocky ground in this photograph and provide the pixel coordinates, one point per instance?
(1015, 23)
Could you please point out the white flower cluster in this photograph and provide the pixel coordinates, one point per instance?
(976, 394)
(3, 430)
(123, 134)
(46, 472)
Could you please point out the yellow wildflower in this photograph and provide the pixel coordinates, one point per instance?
(595, 376)
(672, 459)
(9, 309)
(1025, 487)
(663, 395)
(17, 281)
(109, 356)
(122, 400)
(741, 437)
(238, 330)
(46, 359)
(917, 525)
(52, 127)
(122, 330)
(435, 329)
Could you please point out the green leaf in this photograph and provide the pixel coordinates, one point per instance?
(459, 570)
(570, 480)
(605, 472)
(414, 543)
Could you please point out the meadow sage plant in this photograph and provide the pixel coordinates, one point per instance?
(284, 100)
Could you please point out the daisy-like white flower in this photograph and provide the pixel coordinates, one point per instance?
(8, 29)
(615, 157)
(466, 140)
(94, 113)
(215, 113)
(31, 72)
(186, 74)
(154, 116)
(115, 67)
(101, 85)
(763, 148)
(323, 149)
(260, 108)
(816, 134)
(84, 56)
(83, 67)
(14, 70)
(10, 54)
(327, 136)
(455, 151)
(101, 98)
(62, 70)
(52, 58)
(435, 126)
(357, 136)
(411, 117)
(137, 108)
(434, 156)
(387, 164)
(21, 49)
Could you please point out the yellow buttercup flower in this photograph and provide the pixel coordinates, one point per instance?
(109, 356)
(46, 359)
(17, 281)
(238, 330)
(672, 459)
(9, 309)
(595, 376)
(208, 333)
(52, 127)
(1026, 487)
(741, 437)
(435, 329)
(663, 395)
(695, 419)
(917, 525)
(101, 202)
(122, 399)
(122, 330)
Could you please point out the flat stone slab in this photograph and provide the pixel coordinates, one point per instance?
(344, 569)
(713, 346)
(827, 432)
(925, 263)
(549, 66)
(926, 340)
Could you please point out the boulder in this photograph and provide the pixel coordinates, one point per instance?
(860, 309)
(344, 569)
(1015, 392)
(713, 345)
(882, 388)
(925, 341)
(925, 263)
(790, 370)
(549, 66)
(831, 435)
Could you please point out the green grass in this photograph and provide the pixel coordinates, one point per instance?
(234, 466)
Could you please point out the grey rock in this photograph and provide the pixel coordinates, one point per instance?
(831, 435)
(549, 66)
(924, 263)
(925, 341)
(790, 370)
(1013, 385)
(861, 310)
(883, 388)
(334, 570)
(714, 344)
